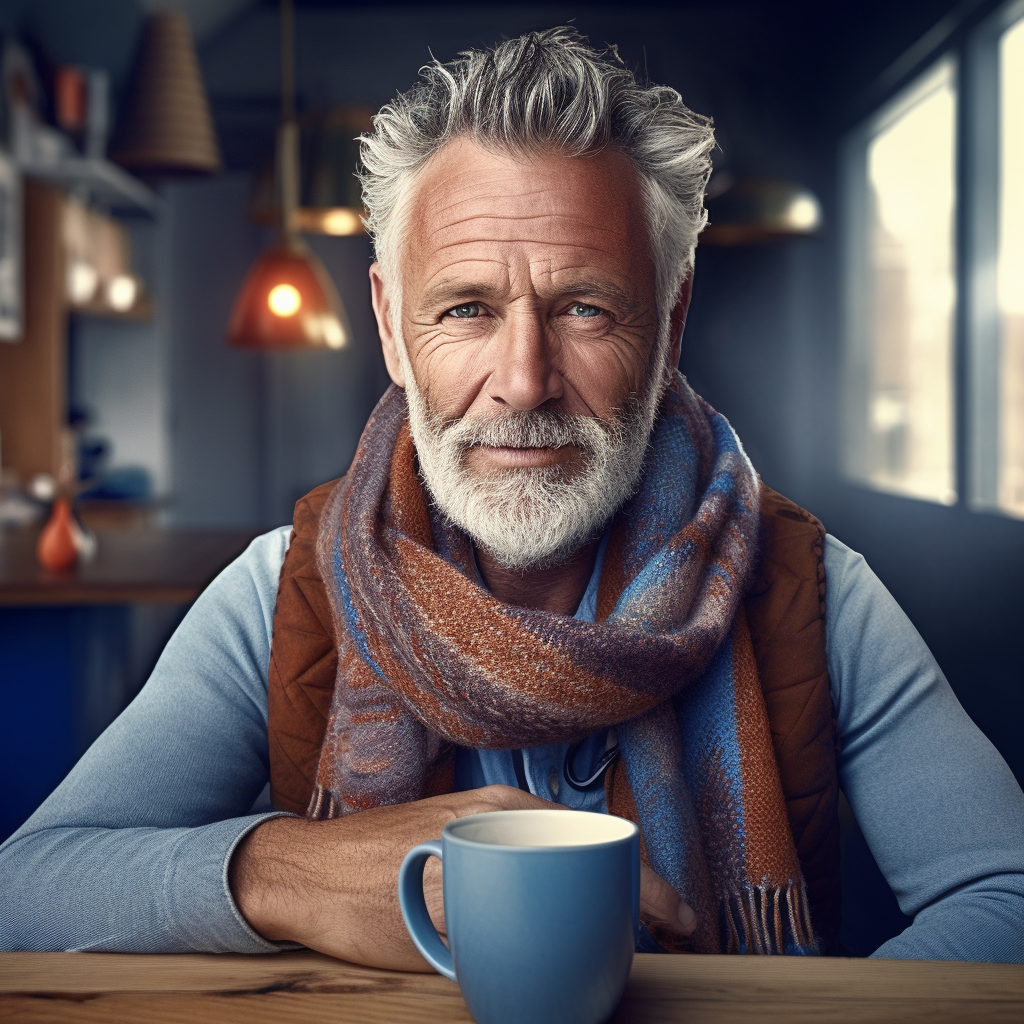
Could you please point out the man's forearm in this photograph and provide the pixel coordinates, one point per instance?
(333, 885)
(274, 874)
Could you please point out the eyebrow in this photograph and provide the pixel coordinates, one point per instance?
(451, 293)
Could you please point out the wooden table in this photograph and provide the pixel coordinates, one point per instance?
(308, 988)
(131, 566)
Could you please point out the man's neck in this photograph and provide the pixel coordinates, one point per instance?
(558, 589)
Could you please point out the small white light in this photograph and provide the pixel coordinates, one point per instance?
(122, 291)
(284, 300)
(804, 213)
(341, 221)
(43, 487)
(82, 281)
(330, 328)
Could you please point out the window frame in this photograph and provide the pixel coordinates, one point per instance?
(978, 469)
(968, 43)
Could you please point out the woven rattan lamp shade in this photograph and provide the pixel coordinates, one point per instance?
(167, 125)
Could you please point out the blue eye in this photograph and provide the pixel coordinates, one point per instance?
(584, 310)
(466, 311)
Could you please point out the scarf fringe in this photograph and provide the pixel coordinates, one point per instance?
(322, 805)
(768, 920)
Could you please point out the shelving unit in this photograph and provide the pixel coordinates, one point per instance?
(33, 370)
(104, 182)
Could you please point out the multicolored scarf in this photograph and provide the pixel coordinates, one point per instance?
(428, 658)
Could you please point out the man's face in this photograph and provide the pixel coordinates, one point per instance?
(528, 298)
(527, 283)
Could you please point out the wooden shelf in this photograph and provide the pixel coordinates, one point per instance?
(142, 310)
(105, 182)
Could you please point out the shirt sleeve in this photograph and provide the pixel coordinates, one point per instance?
(939, 808)
(130, 853)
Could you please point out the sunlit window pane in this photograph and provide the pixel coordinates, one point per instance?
(909, 292)
(1010, 274)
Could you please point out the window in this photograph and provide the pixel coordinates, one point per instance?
(1010, 272)
(934, 278)
(903, 293)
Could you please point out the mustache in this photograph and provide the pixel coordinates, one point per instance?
(528, 428)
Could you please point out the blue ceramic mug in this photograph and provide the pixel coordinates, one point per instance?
(542, 911)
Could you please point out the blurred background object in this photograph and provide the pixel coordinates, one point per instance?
(166, 127)
(288, 300)
(753, 212)
(329, 200)
(98, 263)
(10, 250)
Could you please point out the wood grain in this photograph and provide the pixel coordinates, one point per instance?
(309, 987)
(33, 371)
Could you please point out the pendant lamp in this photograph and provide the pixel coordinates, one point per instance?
(167, 127)
(288, 299)
(754, 211)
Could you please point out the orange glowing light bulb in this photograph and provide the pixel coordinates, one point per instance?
(284, 300)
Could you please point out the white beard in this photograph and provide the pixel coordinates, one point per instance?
(533, 517)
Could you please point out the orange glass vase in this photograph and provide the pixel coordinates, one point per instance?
(58, 545)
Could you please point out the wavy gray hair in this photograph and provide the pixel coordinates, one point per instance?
(543, 91)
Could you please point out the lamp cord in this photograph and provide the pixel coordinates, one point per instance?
(288, 133)
(287, 60)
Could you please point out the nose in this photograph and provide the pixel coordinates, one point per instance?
(525, 374)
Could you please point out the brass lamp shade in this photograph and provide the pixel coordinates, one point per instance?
(753, 212)
(288, 301)
(167, 125)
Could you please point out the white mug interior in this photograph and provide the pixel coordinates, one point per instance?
(541, 829)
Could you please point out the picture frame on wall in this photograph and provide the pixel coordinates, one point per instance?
(11, 290)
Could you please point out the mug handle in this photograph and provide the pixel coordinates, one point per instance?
(414, 908)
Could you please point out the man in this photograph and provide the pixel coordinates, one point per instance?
(550, 575)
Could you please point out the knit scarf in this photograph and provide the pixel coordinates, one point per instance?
(427, 657)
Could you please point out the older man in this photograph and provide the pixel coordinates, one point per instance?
(550, 574)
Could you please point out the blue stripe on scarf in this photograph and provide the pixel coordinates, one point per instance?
(355, 630)
(712, 702)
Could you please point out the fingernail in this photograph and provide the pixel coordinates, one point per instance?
(687, 918)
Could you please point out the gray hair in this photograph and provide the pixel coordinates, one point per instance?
(545, 91)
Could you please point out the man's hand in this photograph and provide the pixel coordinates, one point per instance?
(333, 885)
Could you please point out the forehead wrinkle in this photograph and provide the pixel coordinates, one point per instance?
(555, 217)
(490, 242)
(486, 192)
(490, 186)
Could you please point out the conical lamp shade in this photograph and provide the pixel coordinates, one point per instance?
(167, 125)
(288, 301)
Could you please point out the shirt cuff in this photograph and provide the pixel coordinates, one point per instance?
(201, 911)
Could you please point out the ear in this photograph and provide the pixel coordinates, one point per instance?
(677, 321)
(382, 311)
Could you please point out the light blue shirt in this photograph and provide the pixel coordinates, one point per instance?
(131, 851)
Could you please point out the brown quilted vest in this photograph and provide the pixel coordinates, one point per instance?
(786, 614)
